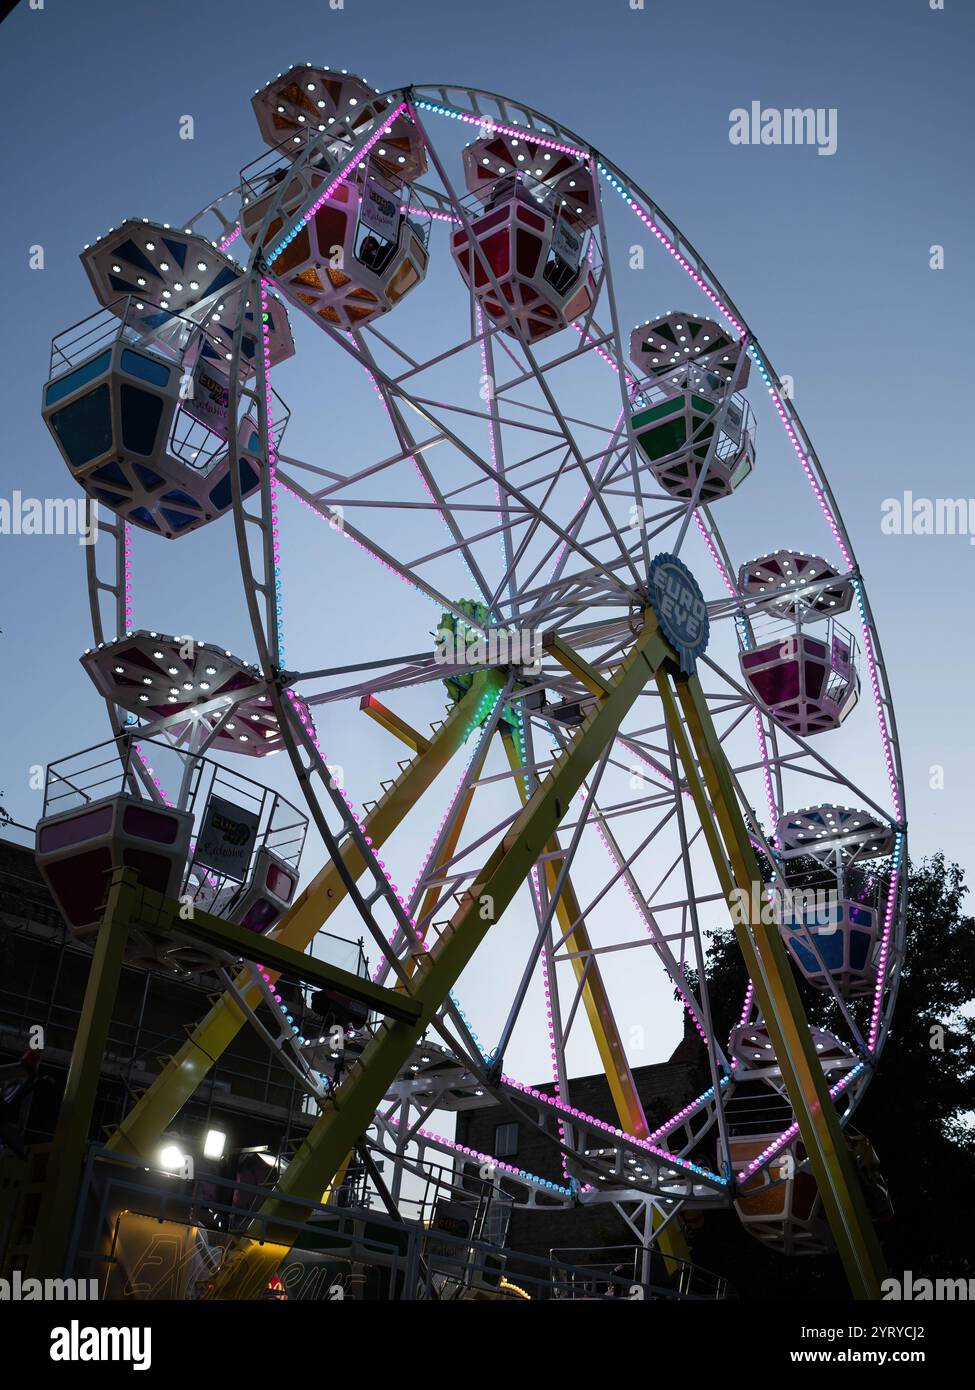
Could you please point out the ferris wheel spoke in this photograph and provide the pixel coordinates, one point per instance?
(584, 509)
(539, 376)
(480, 463)
(526, 540)
(624, 872)
(516, 597)
(716, 1057)
(423, 898)
(509, 580)
(307, 763)
(420, 675)
(525, 375)
(512, 423)
(350, 480)
(407, 442)
(555, 901)
(822, 764)
(361, 539)
(491, 598)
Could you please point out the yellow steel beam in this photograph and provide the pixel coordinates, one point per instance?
(182, 1074)
(609, 1044)
(346, 1115)
(556, 647)
(432, 895)
(776, 991)
(66, 1161)
(568, 913)
(394, 723)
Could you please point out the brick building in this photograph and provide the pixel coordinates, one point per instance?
(590, 1232)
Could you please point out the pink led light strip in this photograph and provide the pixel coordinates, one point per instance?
(434, 215)
(272, 459)
(789, 1134)
(885, 944)
(307, 723)
(642, 914)
(762, 745)
(550, 1024)
(493, 127)
(330, 188)
(137, 747)
(665, 241)
(381, 967)
(689, 1109)
(783, 414)
(600, 351)
(800, 453)
(479, 1157)
(536, 889)
(612, 1130)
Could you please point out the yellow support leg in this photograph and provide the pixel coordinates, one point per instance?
(65, 1166)
(394, 724)
(612, 1054)
(432, 895)
(139, 1132)
(347, 1114)
(595, 998)
(775, 988)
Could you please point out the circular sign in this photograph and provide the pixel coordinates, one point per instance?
(676, 598)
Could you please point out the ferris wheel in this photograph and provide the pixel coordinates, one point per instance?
(542, 493)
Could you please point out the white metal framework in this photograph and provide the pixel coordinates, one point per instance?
(514, 497)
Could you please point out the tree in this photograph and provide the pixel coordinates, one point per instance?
(916, 1112)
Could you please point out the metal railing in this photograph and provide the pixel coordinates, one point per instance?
(621, 1271)
(328, 1251)
(178, 341)
(133, 766)
(134, 1048)
(126, 319)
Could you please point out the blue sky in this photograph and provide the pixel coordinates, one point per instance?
(827, 256)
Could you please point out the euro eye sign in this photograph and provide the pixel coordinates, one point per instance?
(676, 599)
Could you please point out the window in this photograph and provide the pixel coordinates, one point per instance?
(505, 1141)
(141, 413)
(84, 427)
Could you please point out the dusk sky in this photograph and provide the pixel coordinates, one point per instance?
(852, 263)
